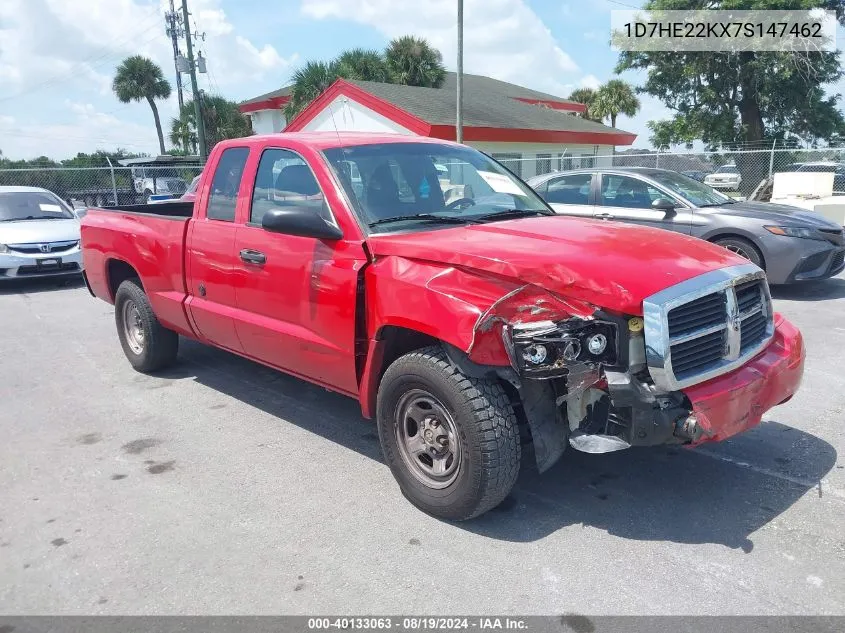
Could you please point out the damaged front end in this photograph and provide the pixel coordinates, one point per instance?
(582, 376)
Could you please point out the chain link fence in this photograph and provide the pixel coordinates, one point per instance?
(100, 186)
(732, 172)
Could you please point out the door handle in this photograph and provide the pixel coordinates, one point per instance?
(253, 257)
(605, 216)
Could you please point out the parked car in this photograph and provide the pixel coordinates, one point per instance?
(464, 328)
(39, 234)
(789, 243)
(725, 177)
(191, 193)
(695, 175)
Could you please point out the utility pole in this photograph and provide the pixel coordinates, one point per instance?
(459, 121)
(194, 86)
(174, 32)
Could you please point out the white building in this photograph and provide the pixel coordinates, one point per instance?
(530, 132)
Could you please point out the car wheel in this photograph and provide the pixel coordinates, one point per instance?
(743, 248)
(148, 345)
(451, 441)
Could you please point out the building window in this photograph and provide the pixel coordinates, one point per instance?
(511, 161)
(544, 164)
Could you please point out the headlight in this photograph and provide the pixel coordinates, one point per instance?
(793, 231)
(546, 348)
(4, 249)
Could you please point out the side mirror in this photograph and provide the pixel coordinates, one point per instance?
(664, 204)
(299, 221)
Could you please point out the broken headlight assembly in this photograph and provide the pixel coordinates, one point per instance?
(547, 349)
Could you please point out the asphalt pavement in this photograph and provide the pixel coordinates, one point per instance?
(223, 487)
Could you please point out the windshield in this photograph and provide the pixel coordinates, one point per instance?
(698, 193)
(397, 186)
(32, 205)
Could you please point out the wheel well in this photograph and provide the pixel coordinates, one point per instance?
(737, 236)
(118, 271)
(399, 341)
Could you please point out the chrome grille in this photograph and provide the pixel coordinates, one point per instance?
(44, 247)
(707, 326)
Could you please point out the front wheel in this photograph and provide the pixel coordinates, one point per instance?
(452, 442)
(743, 248)
(148, 345)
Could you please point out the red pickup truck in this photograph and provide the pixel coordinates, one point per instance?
(427, 281)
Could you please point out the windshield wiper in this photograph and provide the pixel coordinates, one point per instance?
(426, 217)
(32, 217)
(510, 213)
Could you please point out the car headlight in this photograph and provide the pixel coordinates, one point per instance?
(793, 231)
(547, 348)
(4, 249)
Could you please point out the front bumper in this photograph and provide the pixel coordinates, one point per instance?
(792, 259)
(26, 266)
(735, 402)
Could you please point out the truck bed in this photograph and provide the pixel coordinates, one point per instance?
(174, 209)
(150, 238)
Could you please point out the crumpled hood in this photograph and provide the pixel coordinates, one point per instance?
(33, 231)
(613, 266)
(773, 212)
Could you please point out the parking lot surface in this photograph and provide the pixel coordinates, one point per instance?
(224, 487)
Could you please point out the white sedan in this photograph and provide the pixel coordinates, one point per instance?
(39, 234)
(726, 177)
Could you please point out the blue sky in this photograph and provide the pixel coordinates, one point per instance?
(57, 58)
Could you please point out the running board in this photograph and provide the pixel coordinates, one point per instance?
(587, 443)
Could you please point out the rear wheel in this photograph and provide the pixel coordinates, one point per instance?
(148, 345)
(452, 442)
(743, 248)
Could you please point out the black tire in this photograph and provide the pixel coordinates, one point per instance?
(486, 428)
(159, 346)
(742, 247)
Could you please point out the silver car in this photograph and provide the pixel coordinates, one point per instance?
(789, 243)
(39, 234)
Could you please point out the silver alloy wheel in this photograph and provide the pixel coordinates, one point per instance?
(427, 438)
(733, 248)
(133, 328)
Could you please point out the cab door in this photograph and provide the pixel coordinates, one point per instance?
(296, 296)
(210, 258)
(627, 198)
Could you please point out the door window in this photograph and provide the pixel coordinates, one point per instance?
(570, 189)
(226, 183)
(628, 192)
(284, 179)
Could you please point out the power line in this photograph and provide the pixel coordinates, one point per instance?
(70, 74)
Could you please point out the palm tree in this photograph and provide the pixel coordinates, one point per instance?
(222, 120)
(309, 82)
(138, 78)
(586, 96)
(414, 62)
(363, 65)
(614, 98)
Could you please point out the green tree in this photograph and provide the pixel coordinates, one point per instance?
(612, 99)
(222, 120)
(363, 65)
(309, 82)
(585, 96)
(745, 98)
(140, 78)
(414, 62)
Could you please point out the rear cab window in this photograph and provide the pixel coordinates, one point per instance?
(284, 179)
(226, 183)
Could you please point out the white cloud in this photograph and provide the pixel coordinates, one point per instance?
(504, 39)
(589, 81)
(50, 49)
(86, 131)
